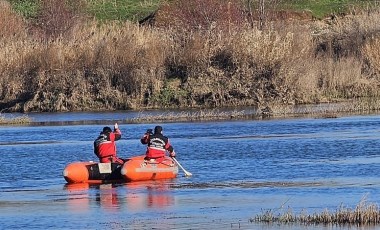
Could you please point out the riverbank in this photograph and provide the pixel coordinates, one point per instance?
(93, 66)
(324, 110)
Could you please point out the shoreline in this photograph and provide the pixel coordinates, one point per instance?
(315, 111)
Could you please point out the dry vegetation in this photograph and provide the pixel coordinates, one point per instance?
(64, 61)
(201, 115)
(6, 120)
(364, 214)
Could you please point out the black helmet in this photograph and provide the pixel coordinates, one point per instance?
(157, 129)
(107, 130)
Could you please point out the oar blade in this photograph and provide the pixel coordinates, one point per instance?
(187, 174)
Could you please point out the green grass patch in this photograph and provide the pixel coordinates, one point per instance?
(122, 10)
(135, 10)
(27, 8)
(323, 8)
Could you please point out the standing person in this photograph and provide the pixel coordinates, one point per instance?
(157, 143)
(105, 146)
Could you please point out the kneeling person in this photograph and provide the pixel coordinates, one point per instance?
(105, 146)
(158, 144)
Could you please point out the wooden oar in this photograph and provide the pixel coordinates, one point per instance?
(187, 173)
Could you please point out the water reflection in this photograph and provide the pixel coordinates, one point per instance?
(135, 197)
(107, 197)
(142, 195)
(79, 198)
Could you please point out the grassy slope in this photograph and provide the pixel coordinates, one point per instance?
(122, 9)
(28, 8)
(101, 9)
(137, 9)
(321, 8)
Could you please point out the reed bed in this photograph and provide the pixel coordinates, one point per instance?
(6, 120)
(327, 110)
(80, 64)
(323, 110)
(363, 214)
(201, 115)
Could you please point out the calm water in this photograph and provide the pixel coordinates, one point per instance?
(240, 169)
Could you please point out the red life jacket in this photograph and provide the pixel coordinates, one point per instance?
(105, 147)
(157, 146)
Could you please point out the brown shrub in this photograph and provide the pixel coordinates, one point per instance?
(200, 14)
(343, 36)
(57, 17)
(12, 25)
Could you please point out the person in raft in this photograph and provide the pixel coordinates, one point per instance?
(105, 146)
(158, 144)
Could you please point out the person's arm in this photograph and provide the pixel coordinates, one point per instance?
(117, 132)
(170, 149)
(145, 138)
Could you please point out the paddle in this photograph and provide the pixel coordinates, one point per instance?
(187, 174)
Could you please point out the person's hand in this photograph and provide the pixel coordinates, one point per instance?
(116, 126)
(172, 154)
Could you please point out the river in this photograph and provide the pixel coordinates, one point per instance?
(240, 170)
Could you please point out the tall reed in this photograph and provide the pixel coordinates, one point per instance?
(363, 214)
(88, 65)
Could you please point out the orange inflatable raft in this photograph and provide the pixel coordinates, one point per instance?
(138, 169)
(135, 169)
(92, 172)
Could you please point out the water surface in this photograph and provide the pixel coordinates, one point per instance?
(240, 169)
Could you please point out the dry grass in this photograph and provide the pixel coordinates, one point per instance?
(202, 115)
(324, 110)
(262, 48)
(23, 119)
(371, 50)
(363, 214)
(14, 26)
(121, 65)
(100, 63)
(275, 110)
